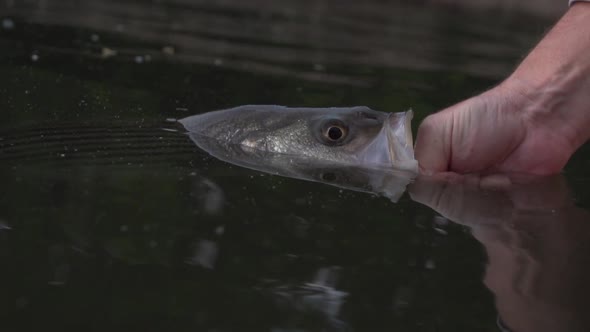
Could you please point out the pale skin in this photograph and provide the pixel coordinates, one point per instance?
(530, 123)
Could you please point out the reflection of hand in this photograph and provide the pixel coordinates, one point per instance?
(537, 242)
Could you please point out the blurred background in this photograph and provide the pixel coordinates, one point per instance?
(329, 41)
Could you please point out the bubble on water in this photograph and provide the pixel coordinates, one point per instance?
(430, 264)
(7, 24)
(440, 231)
(4, 225)
(153, 244)
(319, 67)
(168, 50)
(220, 230)
(138, 59)
(218, 62)
(34, 57)
(94, 37)
(107, 52)
(124, 228)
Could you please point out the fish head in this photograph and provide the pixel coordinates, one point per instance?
(356, 136)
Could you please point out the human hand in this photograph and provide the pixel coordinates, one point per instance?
(490, 133)
(536, 239)
(531, 123)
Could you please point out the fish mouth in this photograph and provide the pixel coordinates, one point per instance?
(393, 145)
(398, 128)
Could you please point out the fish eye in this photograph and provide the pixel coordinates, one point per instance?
(335, 132)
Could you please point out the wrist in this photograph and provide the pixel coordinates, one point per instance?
(564, 47)
(553, 82)
(558, 108)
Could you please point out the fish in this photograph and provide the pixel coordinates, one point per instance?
(345, 136)
(353, 148)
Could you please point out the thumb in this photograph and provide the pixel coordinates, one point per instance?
(433, 143)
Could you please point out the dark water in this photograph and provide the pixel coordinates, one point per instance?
(112, 220)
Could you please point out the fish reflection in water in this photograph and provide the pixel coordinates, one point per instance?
(536, 239)
(319, 296)
(354, 148)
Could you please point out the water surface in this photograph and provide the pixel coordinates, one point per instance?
(110, 219)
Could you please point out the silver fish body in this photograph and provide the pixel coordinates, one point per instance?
(387, 182)
(353, 148)
(340, 136)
